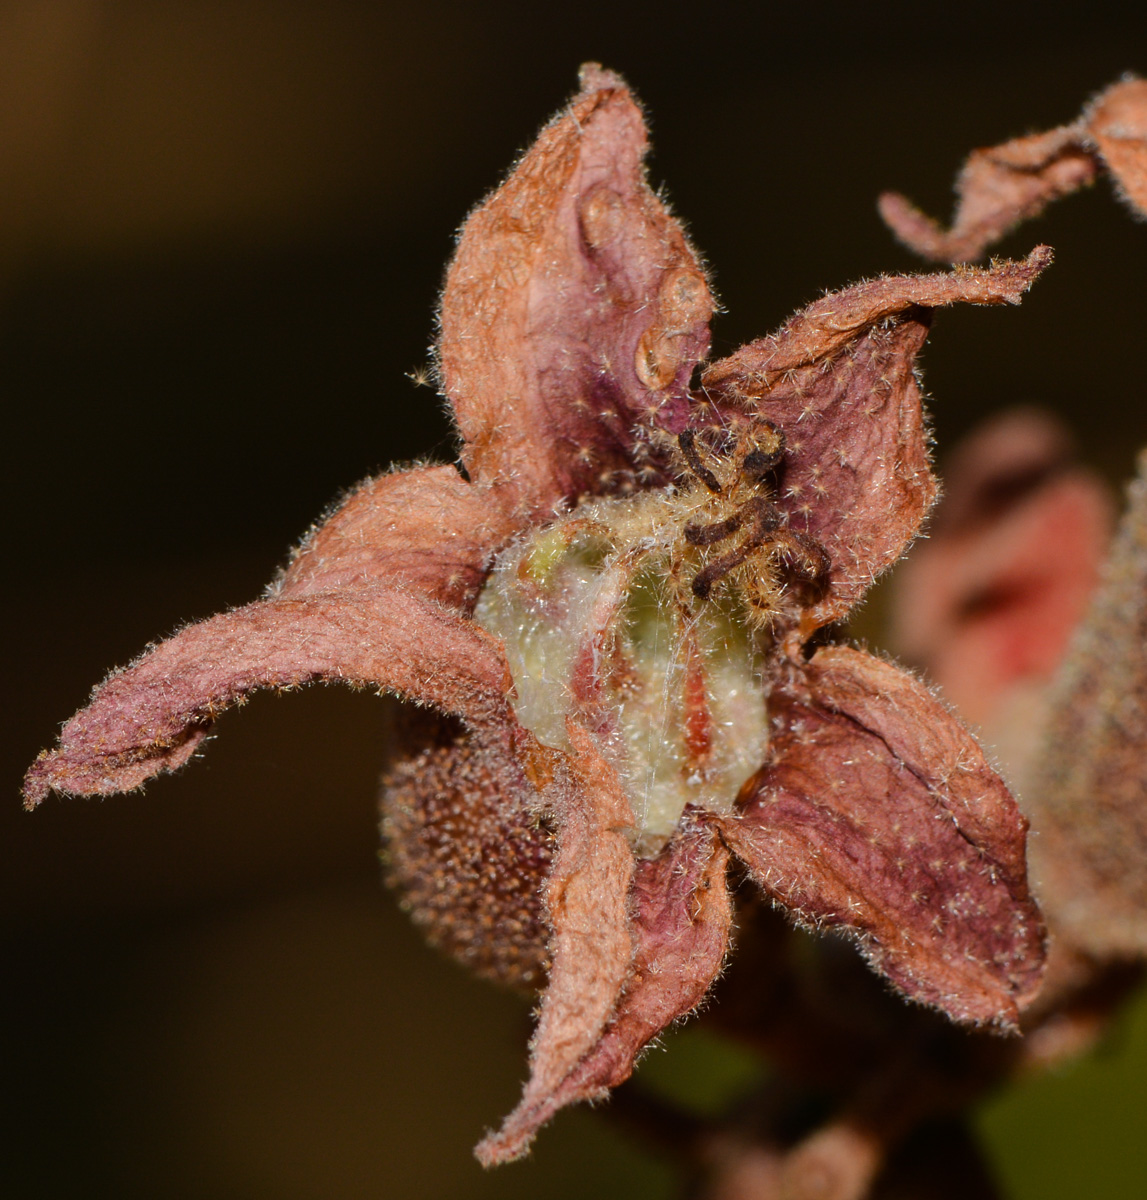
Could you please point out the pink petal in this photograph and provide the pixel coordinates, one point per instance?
(1087, 800)
(574, 310)
(839, 379)
(591, 947)
(879, 814)
(426, 529)
(151, 716)
(682, 914)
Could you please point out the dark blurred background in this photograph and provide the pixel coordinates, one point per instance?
(222, 231)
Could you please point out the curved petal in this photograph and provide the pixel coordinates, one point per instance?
(839, 380)
(879, 814)
(591, 945)
(574, 311)
(149, 717)
(425, 528)
(1003, 185)
(681, 919)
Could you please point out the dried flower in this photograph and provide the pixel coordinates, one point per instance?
(617, 605)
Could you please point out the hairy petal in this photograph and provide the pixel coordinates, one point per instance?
(573, 313)
(987, 605)
(880, 815)
(997, 189)
(681, 918)
(150, 716)
(1087, 801)
(1117, 124)
(591, 946)
(425, 528)
(1001, 186)
(839, 379)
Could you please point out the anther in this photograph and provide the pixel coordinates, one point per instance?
(765, 458)
(707, 535)
(766, 521)
(807, 558)
(687, 440)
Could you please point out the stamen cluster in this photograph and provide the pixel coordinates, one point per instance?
(771, 558)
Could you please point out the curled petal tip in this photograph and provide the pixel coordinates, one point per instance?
(593, 77)
(575, 297)
(1027, 271)
(918, 231)
(999, 187)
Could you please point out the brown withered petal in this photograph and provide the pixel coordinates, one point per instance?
(151, 716)
(839, 379)
(1001, 186)
(1087, 800)
(591, 944)
(468, 851)
(426, 529)
(880, 815)
(681, 918)
(1117, 123)
(988, 603)
(573, 311)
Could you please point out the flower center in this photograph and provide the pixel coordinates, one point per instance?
(602, 624)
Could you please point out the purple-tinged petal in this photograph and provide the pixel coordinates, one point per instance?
(681, 919)
(150, 716)
(425, 528)
(839, 380)
(880, 815)
(1088, 800)
(573, 313)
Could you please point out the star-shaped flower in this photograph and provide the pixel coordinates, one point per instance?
(614, 607)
